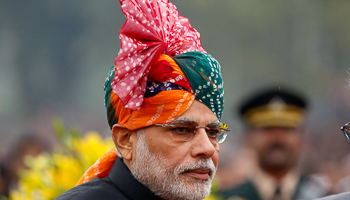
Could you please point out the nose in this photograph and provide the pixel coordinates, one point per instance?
(202, 146)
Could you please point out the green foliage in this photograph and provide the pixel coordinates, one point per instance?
(65, 135)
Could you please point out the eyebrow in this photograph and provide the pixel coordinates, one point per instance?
(186, 121)
(215, 123)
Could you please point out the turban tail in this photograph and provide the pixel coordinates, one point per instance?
(159, 71)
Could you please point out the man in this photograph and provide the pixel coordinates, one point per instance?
(28, 144)
(346, 195)
(274, 119)
(164, 100)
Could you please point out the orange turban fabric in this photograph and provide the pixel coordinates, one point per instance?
(163, 107)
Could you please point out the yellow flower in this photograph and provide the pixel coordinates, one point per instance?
(49, 176)
(66, 171)
(92, 147)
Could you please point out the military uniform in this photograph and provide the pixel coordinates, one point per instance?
(275, 108)
(296, 188)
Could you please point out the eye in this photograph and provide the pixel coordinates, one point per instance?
(213, 132)
(181, 130)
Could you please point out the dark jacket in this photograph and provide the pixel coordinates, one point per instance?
(120, 184)
(306, 188)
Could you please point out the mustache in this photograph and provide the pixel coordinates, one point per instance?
(198, 164)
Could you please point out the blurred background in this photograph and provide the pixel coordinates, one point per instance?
(55, 55)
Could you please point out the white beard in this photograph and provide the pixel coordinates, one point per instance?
(166, 180)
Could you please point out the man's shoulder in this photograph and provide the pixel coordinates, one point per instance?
(244, 191)
(341, 196)
(95, 189)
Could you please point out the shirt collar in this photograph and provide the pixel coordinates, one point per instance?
(266, 184)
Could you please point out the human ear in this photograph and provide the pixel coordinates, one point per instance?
(123, 140)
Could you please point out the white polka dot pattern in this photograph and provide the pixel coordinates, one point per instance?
(152, 27)
(206, 80)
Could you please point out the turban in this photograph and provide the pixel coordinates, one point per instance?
(159, 71)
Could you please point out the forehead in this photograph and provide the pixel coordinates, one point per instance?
(275, 128)
(199, 113)
(276, 132)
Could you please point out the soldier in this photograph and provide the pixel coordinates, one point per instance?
(274, 130)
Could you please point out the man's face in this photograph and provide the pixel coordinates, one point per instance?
(177, 169)
(277, 147)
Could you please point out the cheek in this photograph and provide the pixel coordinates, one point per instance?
(158, 144)
(215, 158)
(297, 146)
(259, 143)
(295, 141)
(173, 152)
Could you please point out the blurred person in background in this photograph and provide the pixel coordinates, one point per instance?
(346, 195)
(164, 98)
(4, 186)
(274, 131)
(27, 145)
